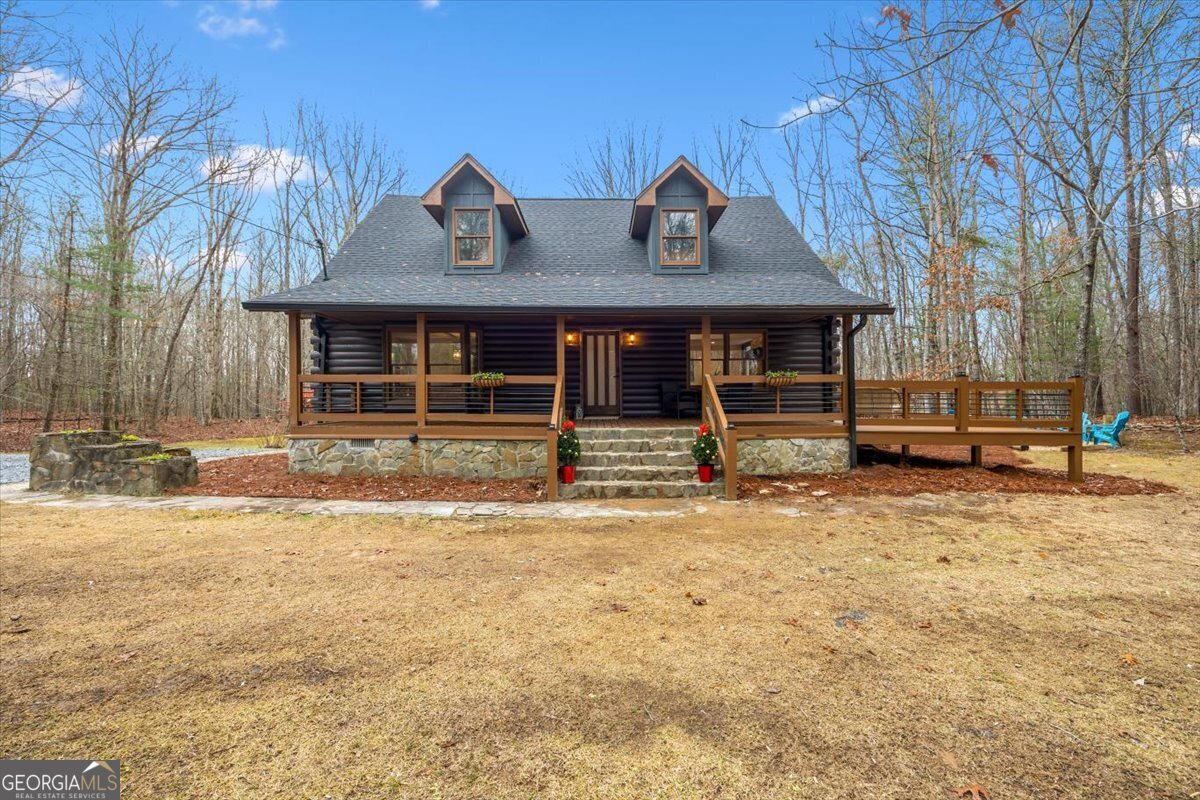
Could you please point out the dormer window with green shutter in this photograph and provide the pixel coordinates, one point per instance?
(473, 237)
(481, 218)
(673, 216)
(680, 229)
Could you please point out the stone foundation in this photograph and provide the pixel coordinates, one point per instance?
(789, 456)
(99, 462)
(459, 458)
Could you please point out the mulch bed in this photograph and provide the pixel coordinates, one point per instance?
(267, 476)
(930, 470)
(937, 469)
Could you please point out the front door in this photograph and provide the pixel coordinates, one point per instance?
(600, 382)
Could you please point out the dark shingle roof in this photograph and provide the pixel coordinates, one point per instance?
(578, 256)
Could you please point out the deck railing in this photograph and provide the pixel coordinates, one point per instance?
(964, 404)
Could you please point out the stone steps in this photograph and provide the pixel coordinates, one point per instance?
(646, 445)
(634, 432)
(637, 472)
(637, 462)
(658, 458)
(581, 490)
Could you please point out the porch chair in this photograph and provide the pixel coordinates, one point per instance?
(1111, 433)
(678, 400)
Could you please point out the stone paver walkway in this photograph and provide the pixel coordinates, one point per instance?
(18, 493)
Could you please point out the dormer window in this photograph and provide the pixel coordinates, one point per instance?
(472, 237)
(680, 236)
(674, 216)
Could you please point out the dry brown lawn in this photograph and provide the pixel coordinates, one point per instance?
(1036, 646)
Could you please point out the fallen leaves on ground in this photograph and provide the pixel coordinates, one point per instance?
(943, 468)
(267, 476)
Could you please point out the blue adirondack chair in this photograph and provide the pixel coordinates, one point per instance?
(1111, 433)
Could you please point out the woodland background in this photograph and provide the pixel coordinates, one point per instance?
(1021, 181)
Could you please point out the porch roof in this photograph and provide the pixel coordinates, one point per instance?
(578, 257)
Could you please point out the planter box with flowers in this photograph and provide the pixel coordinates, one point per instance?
(778, 378)
(569, 451)
(488, 380)
(704, 450)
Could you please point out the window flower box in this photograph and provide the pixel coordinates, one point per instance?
(488, 380)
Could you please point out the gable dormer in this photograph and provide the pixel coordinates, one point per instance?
(674, 215)
(480, 217)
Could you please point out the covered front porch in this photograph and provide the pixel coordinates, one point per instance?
(361, 377)
(377, 376)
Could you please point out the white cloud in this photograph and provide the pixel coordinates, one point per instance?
(259, 167)
(814, 105)
(430, 4)
(139, 148)
(1190, 137)
(45, 87)
(221, 26)
(245, 22)
(1182, 197)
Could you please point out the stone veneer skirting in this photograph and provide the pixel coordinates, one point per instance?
(468, 458)
(459, 458)
(787, 456)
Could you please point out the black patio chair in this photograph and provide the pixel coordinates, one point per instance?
(678, 400)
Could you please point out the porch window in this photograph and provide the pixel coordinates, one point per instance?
(680, 229)
(472, 237)
(732, 353)
(447, 353)
(402, 352)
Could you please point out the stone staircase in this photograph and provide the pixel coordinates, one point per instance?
(637, 462)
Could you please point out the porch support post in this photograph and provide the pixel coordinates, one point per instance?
(1075, 451)
(705, 354)
(847, 403)
(849, 385)
(293, 383)
(422, 408)
(560, 371)
(560, 348)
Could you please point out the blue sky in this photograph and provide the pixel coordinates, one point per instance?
(540, 77)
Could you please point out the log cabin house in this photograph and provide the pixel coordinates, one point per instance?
(637, 318)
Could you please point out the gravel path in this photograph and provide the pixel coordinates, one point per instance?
(14, 467)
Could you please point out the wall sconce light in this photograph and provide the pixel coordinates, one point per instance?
(631, 339)
(571, 338)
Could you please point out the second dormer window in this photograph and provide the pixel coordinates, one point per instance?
(472, 237)
(681, 236)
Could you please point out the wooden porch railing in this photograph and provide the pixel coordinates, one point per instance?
(436, 400)
(739, 407)
(451, 406)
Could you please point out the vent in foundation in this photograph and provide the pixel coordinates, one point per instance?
(363, 444)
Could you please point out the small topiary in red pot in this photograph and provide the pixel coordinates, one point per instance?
(569, 451)
(704, 450)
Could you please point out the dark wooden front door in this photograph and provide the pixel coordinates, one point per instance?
(600, 382)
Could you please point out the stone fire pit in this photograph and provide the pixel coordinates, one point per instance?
(104, 462)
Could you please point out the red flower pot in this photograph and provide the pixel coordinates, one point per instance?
(705, 471)
(568, 473)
